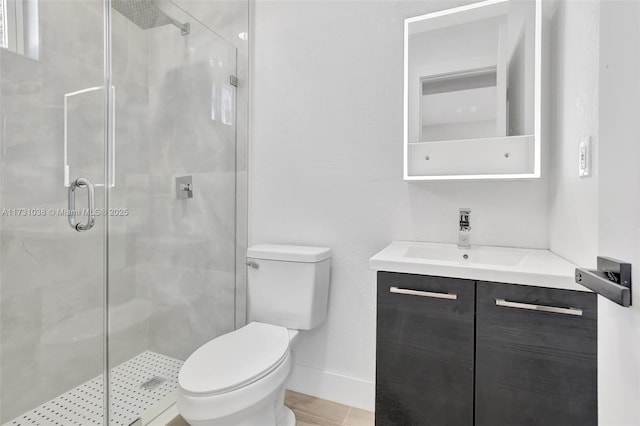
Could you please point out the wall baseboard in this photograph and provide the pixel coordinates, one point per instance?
(333, 386)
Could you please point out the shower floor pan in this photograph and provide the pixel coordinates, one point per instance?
(142, 388)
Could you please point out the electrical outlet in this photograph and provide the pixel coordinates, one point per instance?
(584, 157)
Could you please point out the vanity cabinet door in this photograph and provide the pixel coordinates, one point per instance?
(535, 364)
(425, 344)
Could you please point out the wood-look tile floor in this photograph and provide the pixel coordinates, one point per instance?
(312, 411)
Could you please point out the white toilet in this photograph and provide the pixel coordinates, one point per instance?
(238, 379)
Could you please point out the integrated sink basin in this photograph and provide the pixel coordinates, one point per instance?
(477, 255)
(483, 263)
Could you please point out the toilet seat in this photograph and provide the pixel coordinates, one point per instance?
(234, 360)
(228, 408)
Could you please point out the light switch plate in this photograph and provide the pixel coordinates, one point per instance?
(584, 157)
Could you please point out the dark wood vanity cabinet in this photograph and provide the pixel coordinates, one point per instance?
(462, 353)
(536, 356)
(424, 350)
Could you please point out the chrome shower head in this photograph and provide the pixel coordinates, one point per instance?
(146, 14)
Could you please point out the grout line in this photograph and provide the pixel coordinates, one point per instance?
(344, 422)
(316, 416)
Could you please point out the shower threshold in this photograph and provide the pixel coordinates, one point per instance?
(141, 388)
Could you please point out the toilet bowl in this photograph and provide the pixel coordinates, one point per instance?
(239, 379)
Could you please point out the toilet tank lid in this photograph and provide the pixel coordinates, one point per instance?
(288, 253)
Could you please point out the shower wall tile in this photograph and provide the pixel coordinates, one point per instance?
(130, 51)
(19, 313)
(18, 353)
(74, 29)
(43, 319)
(196, 232)
(190, 307)
(126, 279)
(129, 342)
(24, 274)
(229, 19)
(61, 301)
(64, 363)
(191, 242)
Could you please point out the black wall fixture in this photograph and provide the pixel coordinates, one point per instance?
(612, 280)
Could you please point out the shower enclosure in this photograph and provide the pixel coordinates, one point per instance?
(118, 204)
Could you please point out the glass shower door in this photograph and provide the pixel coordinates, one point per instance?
(172, 250)
(132, 231)
(52, 265)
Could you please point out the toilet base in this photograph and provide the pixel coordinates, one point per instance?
(264, 417)
(286, 418)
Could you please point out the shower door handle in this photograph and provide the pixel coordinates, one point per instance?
(73, 214)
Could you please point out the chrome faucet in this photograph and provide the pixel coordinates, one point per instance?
(464, 235)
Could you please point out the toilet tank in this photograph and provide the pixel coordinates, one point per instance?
(288, 285)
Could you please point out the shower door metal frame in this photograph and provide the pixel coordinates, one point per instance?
(109, 106)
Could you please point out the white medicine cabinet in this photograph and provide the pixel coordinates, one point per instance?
(472, 92)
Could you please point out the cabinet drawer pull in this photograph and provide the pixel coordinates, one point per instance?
(432, 294)
(543, 308)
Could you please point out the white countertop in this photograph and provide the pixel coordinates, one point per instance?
(533, 267)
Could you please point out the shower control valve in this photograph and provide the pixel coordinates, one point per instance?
(184, 187)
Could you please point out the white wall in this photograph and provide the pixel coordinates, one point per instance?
(326, 169)
(574, 107)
